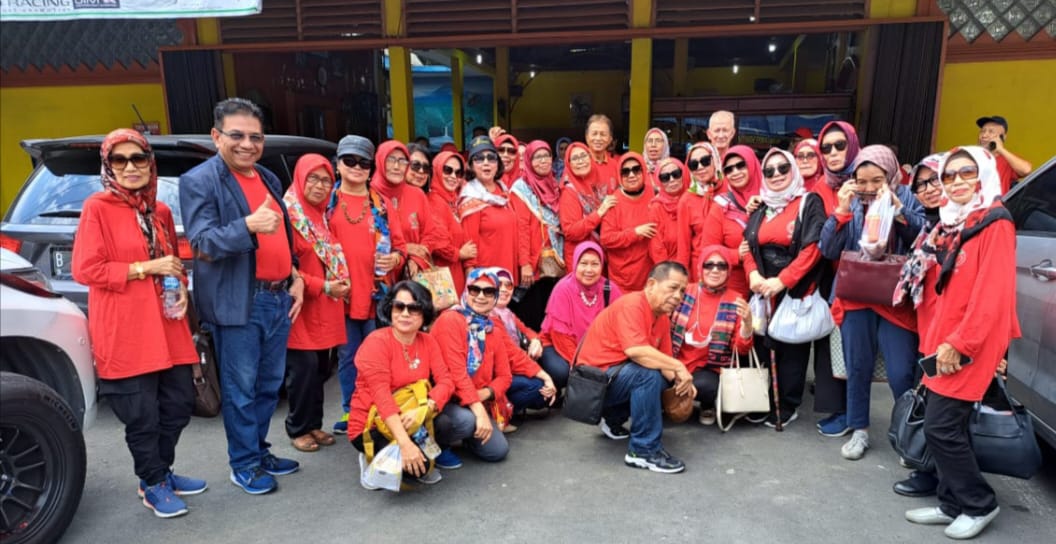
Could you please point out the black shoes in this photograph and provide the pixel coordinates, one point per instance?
(919, 484)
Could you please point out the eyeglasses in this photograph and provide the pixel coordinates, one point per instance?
(419, 166)
(922, 184)
(716, 265)
(476, 291)
(120, 162)
(630, 171)
(541, 157)
(484, 157)
(448, 171)
(731, 168)
(256, 138)
(399, 161)
(507, 150)
(782, 169)
(668, 176)
(827, 148)
(312, 179)
(702, 162)
(966, 173)
(352, 161)
(413, 308)
(806, 156)
(582, 157)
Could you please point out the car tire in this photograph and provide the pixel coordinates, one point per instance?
(43, 461)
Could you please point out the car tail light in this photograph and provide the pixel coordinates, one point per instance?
(26, 286)
(183, 249)
(10, 244)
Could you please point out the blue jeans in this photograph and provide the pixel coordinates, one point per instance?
(356, 330)
(863, 332)
(252, 359)
(635, 393)
(524, 393)
(556, 366)
(456, 424)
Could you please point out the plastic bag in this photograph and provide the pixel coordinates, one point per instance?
(386, 470)
(760, 308)
(877, 227)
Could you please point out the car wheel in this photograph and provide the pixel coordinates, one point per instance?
(42, 462)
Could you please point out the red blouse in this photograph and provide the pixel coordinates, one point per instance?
(447, 255)
(450, 331)
(576, 225)
(353, 226)
(420, 226)
(699, 226)
(627, 253)
(663, 246)
(321, 323)
(701, 318)
(778, 231)
(494, 229)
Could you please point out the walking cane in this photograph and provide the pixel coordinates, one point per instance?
(773, 370)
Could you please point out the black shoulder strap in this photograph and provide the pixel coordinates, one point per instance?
(999, 213)
(605, 294)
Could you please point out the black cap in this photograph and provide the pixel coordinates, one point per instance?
(992, 119)
(479, 145)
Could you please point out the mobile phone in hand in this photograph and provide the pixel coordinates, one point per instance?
(930, 364)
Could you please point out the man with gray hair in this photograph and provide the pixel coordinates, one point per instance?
(722, 128)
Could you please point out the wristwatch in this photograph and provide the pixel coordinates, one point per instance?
(138, 267)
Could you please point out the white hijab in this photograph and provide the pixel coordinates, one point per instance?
(987, 189)
(778, 200)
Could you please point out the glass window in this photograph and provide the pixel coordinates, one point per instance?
(1034, 207)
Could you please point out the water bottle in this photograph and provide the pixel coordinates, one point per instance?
(170, 296)
(383, 249)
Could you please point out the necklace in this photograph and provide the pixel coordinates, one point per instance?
(412, 363)
(590, 302)
(362, 213)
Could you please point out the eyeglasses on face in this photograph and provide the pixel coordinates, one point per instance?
(256, 138)
(448, 171)
(476, 290)
(352, 161)
(966, 173)
(838, 145)
(313, 179)
(702, 162)
(485, 157)
(541, 157)
(398, 161)
(413, 308)
(923, 183)
(668, 176)
(808, 156)
(629, 171)
(419, 166)
(578, 158)
(120, 162)
(782, 168)
(731, 168)
(716, 265)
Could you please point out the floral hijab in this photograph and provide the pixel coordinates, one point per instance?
(478, 325)
(310, 221)
(717, 185)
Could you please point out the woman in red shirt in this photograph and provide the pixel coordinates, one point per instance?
(838, 148)
(808, 160)
(537, 205)
(391, 358)
(124, 250)
(784, 256)
(626, 232)
(508, 149)
(709, 326)
(699, 223)
(743, 178)
(488, 217)
(449, 173)
(321, 323)
(974, 243)
(585, 199)
(673, 178)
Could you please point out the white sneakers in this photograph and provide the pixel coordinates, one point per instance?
(707, 417)
(963, 527)
(855, 448)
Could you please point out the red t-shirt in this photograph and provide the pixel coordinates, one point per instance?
(576, 225)
(1005, 172)
(274, 261)
(663, 246)
(628, 322)
(627, 253)
(699, 226)
(353, 226)
(450, 331)
(321, 323)
(494, 230)
(778, 231)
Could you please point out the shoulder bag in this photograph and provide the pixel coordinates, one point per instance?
(440, 284)
(1003, 439)
(206, 381)
(585, 392)
(906, 433)
(861, 279)
(742, 390)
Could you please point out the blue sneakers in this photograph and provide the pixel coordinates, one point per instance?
(181, 485)
(277, 466)
(341, 427)
(162, 501)
(448, 460)
(834, 425)
(254, 481)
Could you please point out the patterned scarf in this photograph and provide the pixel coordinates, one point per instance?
(316, 232)
(719, 348)
(478, 325)
(680, 320)
(929, 249)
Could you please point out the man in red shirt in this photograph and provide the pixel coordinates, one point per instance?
(1010, 167)
(631, 341)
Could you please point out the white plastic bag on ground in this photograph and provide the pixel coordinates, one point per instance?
(386, 470)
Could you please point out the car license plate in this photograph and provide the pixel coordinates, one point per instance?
(61, 261)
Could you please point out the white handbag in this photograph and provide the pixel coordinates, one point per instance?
(742, 390)
(801, 320)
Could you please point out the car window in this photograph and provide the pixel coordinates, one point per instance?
(1034, 206)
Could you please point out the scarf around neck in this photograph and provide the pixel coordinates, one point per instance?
(776, 201)
(544, 187)
(310, 220)
(478, 325)
(988, 187)
(837, 179)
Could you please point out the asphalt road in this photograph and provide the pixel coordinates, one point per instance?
(563, 482)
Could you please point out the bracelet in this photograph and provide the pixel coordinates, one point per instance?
(326, 288)
(138, 267)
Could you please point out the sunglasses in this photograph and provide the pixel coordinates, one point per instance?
(448, 171)
(485, 157)
(702, 162)
(720, 266)
(476, 291)
(668, 176)
(731, 168)
(782, 169)
(353, 161)
(507, 150)
(806, 156)
(419, 166)
(316, 180)
(120, 162)
(966, 173)
(630, 171)
(827, 148)
(237, 136)
(413, 308)
(922, 184)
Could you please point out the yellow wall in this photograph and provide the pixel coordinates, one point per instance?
(890, 9)
(1020, 91)
(52, 112)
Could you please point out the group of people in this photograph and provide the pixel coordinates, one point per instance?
(639, 264)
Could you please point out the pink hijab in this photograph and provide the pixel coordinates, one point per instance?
(567, 311)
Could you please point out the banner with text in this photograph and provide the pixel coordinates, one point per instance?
(53, 10)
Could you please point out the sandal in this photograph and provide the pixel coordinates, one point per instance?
(322, 438)
(305, 443)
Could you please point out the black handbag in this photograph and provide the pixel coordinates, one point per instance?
(585, 394)
(206, 380)
(1003, 439)
(906, 433)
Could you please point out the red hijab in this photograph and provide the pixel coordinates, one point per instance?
(143, 200)
(309, 220)
(755, 174)
(437, 186)
(545, 187)
(667, 200)
(508, 177)
(819, 174)
(637, 157)
(588, 187)
(378, 182)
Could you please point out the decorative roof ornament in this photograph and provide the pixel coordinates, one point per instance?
(999, 18)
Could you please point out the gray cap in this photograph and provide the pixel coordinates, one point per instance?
(355, 145)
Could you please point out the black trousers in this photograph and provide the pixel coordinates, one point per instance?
(154, 408)
(830, 394)
(306, 370)
(962, 488)
(707, 384)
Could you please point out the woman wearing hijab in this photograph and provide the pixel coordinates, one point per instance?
(508, 149)
(711, 323)
(537, 206)
(560, 146)
(699, 223)
(576, 300)
(743, 178)
(421, 233)
(320, 326)
(626, 232)
(673, 179)
(584, 199)
(808, 160)
(655, 148)
(488, 217)
(927, 187)
(449, 174)
(865, 328)
(973, 244)
(480, 367)
(125, 247)
(838, 148)
(788, 267)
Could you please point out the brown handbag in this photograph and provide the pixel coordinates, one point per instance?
(677, 407)
(860, 279)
